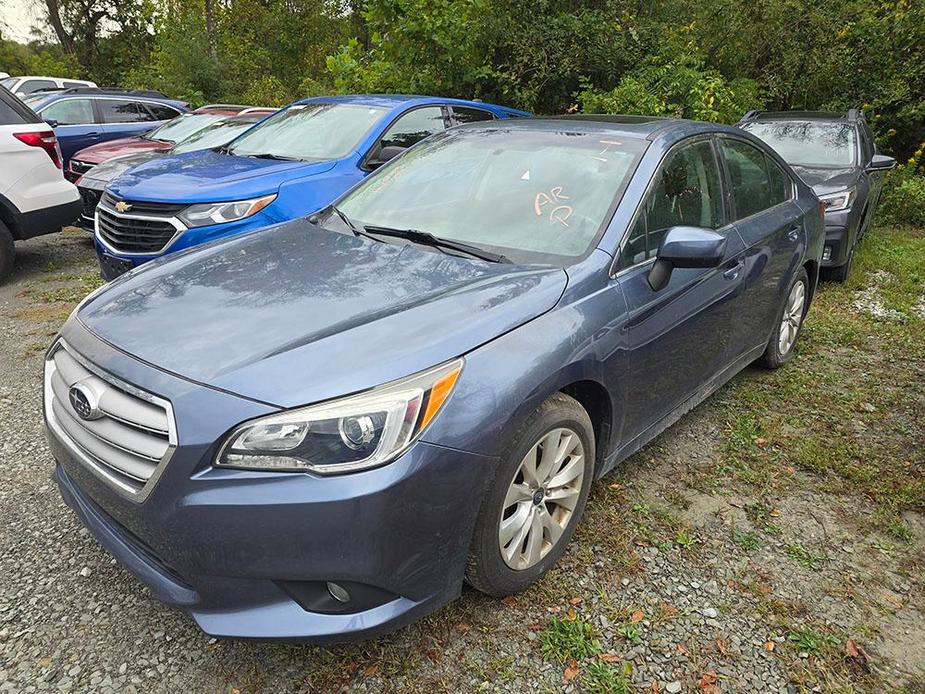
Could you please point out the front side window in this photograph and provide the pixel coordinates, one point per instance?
(70, 112)
(807, 143)
(685, 192)
(309, 132)
(532, 195)
(117, 111)
(752, 188)
(463, 114)
(414, 126)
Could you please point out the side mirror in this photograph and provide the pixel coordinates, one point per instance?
(384, 155)
(686, 247)
(52, 122)
(881, 162)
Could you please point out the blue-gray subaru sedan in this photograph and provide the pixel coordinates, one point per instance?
(319, 430)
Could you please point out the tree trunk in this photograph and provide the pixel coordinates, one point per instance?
(210, 29)
(64, 38)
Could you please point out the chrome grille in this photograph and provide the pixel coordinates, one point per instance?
(134, 234)
(131, 434)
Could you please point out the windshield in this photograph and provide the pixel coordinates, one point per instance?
(213, 136)
(802, 143)
(532, 195)
(309, 131)
(182, 127)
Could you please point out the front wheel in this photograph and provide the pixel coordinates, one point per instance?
(540, 490)
(789, 323)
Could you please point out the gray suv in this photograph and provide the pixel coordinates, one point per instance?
(834, 153)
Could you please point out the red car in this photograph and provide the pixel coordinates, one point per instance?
(162, 138)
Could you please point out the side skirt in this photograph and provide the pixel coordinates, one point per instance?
(724, 376)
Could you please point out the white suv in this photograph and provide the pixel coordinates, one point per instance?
(35, 198)
(23, 86)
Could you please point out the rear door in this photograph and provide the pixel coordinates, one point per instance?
(677, 338)
(77, 126)
(124, 118)
(761, 197)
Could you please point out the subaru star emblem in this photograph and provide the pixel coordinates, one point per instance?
(83, 402)
(123, 206)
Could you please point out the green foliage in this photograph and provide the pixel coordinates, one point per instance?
(565, 639)
(600, 678)
(810, 640)
(903, 197)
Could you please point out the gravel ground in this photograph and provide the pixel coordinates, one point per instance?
(683, 577)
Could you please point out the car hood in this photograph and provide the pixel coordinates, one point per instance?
(295, 314)
(100, 175)
(207, 176)
(827, 180)
(114, 148)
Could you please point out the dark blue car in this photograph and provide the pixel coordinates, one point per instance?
(290, 165)
(320, 430)
(85, 116)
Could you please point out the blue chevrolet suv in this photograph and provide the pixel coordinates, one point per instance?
(288, 166)
(321, 429)
(85, 116)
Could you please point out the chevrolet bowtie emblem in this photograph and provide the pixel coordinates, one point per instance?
(123, 206)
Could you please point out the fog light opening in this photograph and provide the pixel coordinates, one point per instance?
(338, 592)
(827, 253)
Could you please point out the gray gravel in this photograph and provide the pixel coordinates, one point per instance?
(73, 620)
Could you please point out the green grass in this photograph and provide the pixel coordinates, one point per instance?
(601, 678)
(804, 557)
(567, 639)
(809, 640)
(749, 541)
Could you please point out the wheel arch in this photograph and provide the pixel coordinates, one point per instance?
(597, 402)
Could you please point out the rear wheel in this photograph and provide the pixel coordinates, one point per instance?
(540, 490)
(7, 252)
(789, 323)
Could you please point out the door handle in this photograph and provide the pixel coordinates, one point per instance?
(733, 272)
(794, 233)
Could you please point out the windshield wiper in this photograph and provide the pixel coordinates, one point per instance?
(267, 155)
(425, 238)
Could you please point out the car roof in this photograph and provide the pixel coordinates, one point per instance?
(641, 127)
(49, 77)
(91, 92)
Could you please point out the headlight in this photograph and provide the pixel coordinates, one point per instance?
(353, 433)
(221, 212)
(838, 201)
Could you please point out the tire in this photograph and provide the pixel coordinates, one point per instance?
(7, 252)
(777, 353)
(564, 422)
(839, 274)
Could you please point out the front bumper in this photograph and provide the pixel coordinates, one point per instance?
(837, 246)
(235, 548)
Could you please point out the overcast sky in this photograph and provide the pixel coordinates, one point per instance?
(17, 18)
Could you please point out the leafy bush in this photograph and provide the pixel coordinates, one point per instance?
(903, 197)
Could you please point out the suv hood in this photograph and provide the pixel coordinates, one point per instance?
(207, 176)
(295, 314)
(94, 154)
(825, 180)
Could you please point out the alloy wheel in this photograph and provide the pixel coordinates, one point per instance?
(793, 316)
(541, 498)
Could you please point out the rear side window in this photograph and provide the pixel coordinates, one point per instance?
(70, 112)
(462, 114)
(30, 86)
(161, 112)
(15, 112)
(72, 85)
(781, 188)
(414, 126)
(748, 176)
(685, 192)
(117, 111)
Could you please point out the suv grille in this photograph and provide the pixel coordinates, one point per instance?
(134, 235)
(156, 209)
(123, 433)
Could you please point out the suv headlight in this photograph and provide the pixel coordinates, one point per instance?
(220, 212)
(345, 435)
(834, 202)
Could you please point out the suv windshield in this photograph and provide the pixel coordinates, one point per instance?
(803, 143)
(182, 127)
(309, 131)
(213, 135)
(531, 195)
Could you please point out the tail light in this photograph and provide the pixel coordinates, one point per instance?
(44, 139)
